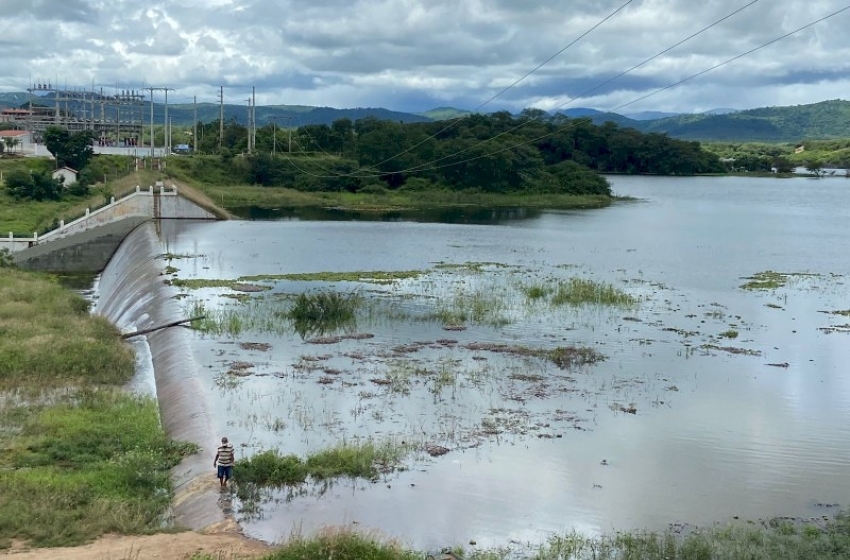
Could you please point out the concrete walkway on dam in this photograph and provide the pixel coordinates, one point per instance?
(87, 243)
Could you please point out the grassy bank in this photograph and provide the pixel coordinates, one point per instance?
(235, 196)
(80, 457)
(776, 540)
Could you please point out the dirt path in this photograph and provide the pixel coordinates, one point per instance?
(172, 546)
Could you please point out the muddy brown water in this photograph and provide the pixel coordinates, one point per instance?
(679, 424)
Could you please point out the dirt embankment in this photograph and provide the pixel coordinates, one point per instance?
(228, 543)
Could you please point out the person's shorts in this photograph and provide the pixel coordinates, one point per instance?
(225, 472)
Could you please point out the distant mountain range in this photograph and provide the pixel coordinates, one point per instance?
(824, 120)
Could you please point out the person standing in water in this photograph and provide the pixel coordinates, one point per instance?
(224, 461)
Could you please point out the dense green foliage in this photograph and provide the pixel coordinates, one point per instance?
(73, 150)
(36, 185)
(784, 157)
(490, 153)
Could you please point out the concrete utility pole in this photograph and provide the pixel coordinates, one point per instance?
(167, 124)
(253, 129)
(249, 126)
(195, 125)
(153, 142)
(220, 117)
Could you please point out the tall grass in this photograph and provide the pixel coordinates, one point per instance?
(48, 338)
(363, 460)
(582, 291)
(95, 464)
(775, 541)
(79, 458)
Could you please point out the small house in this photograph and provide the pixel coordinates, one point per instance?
(68, 175)
(15, 140)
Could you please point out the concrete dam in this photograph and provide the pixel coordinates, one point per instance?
(121, 241)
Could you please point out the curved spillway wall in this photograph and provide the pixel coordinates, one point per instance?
(133, 296)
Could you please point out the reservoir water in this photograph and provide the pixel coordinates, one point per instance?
(712, 401)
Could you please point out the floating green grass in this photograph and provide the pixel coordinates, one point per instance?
(771, 280)
(583, 291)
(373, 276)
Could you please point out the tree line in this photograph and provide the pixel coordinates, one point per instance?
(497, 153)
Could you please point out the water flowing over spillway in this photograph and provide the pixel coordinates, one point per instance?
(133, 296)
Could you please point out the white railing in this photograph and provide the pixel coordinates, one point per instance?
(92, 218)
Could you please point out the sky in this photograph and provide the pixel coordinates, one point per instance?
(415, 55)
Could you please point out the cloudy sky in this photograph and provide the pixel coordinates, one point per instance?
(414, 55)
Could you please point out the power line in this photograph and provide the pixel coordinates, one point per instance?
(575, 122)
(527, 74)
(618, 76)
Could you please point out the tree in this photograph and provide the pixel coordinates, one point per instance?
(10, 143)
(37, 185)
(72, 150)
(815, 167)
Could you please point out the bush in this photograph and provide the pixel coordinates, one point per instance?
(35, 185)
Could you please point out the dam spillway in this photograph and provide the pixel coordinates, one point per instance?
(132, 294)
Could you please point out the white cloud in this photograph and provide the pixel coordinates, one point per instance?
(413, 54)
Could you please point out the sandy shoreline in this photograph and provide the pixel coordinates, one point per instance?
(225, 542)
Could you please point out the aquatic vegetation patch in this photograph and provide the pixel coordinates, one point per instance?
(373, 276)
(771, 280)
(565, 357)
(323, 311)
(732, 350)
(473, 266)
(354, 460)
(199, 283)
(583, 291)
(731, 333)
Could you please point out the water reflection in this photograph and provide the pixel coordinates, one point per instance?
(483, 216)
(715, 432)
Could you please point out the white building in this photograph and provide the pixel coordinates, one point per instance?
(69, 176)
(20, 138)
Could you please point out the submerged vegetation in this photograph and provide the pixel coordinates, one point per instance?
(80, 458)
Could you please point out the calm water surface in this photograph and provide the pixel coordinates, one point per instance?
(716, 434)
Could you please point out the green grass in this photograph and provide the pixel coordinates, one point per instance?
(731, 333)
(23, 217)
(775, 540)
(365, 460)
(770, 280)
(49, 340)
(80, 458)
(582, 291)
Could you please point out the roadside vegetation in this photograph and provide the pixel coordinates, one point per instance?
(81, 458)
(23, 213)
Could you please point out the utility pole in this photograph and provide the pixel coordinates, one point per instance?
(249, 125)
(195, 125)
(253, 129)
(167, 123)
(166, 90)
(220, 117)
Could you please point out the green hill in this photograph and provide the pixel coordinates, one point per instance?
(444, 113)
(818, 121)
